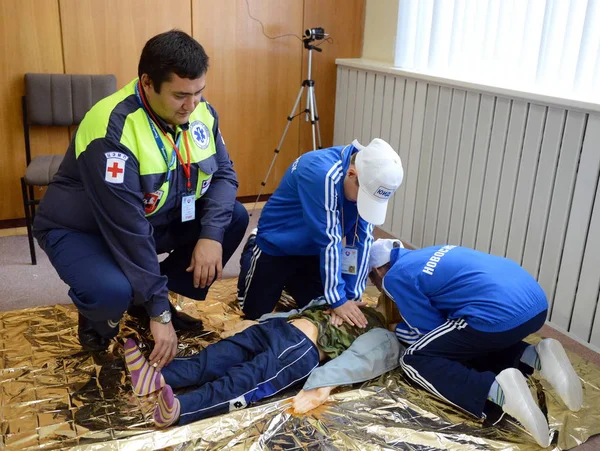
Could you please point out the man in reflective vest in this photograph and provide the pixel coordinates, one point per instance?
(147, 172)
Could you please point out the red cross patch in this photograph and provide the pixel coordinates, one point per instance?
(115, 167)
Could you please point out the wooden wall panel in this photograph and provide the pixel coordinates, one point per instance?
(253, 81)
(29, 42)
(344, 21)
(107, 37)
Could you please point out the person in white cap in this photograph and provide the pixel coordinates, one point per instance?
(465, 314)
(315, 231)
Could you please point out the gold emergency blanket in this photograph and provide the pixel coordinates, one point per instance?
(55, 396)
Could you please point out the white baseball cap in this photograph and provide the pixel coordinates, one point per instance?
(380, 174)
(381, 250)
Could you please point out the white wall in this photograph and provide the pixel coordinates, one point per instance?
(381, 24)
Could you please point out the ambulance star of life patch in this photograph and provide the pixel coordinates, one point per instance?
(115, 167)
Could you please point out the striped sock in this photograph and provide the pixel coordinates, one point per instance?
(531, 358)
(167, 411)
(144, 377)
(496, 394)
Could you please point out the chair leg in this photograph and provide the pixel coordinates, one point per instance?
(28, 220)
(31, 202)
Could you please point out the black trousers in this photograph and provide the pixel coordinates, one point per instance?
(184, 240)
(263, 278)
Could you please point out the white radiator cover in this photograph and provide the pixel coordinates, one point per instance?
(508, 176)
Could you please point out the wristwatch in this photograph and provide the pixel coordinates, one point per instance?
(163, 318)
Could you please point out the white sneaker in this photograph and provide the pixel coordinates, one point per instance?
(254, 231)
(557, 369)
(519, 404)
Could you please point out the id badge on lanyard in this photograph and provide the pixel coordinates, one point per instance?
(188, 208)
(349, 260)
(188, 201)
(350, 253)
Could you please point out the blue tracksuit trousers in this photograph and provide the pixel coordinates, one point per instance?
(459, 363)
(247, 367)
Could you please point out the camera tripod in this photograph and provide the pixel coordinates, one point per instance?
(310, 35)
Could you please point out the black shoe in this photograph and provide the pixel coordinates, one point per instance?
(139, 312)
(184, 322)
(181, 321)
(89, 339)
(251, 241)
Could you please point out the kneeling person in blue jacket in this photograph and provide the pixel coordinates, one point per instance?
(465, 316)
(325, 197)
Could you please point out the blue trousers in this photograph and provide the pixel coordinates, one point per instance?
(99, 288)
(247, 367)
(263, 278)
(459, 364)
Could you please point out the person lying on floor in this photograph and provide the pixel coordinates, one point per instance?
(465, 316)
(263, 360)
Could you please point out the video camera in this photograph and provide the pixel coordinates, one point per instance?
(315, 34)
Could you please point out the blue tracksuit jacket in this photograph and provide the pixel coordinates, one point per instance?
(304, 217)
(431, 285)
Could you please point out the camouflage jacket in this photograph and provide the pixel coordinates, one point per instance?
(334, 340)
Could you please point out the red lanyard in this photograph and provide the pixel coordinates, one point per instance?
(186, 166)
